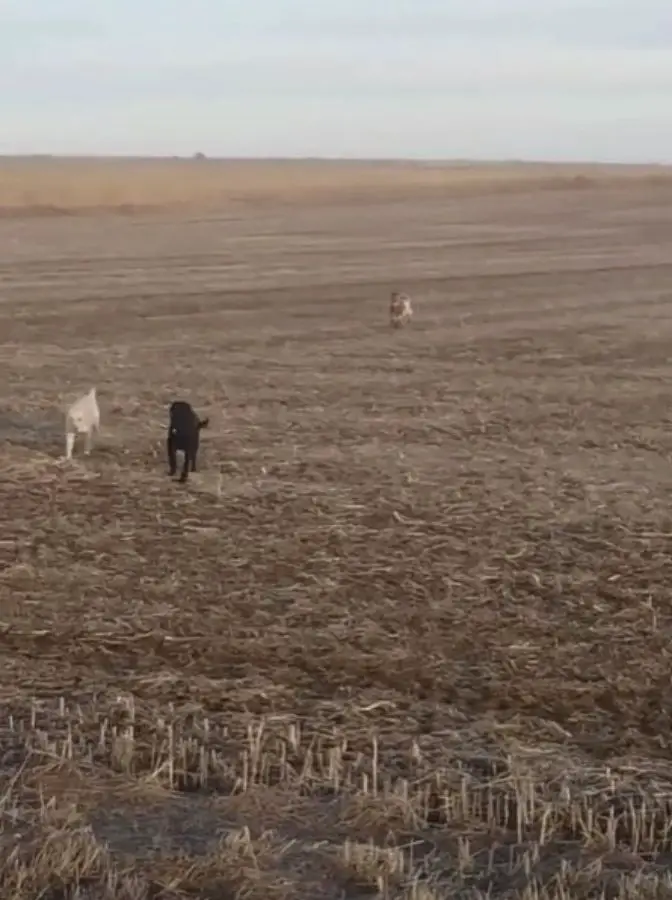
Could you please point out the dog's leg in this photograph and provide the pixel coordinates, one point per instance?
(194, 454)
(172, 456)
(69, 444)
(88, 442)
(187, 460)
(185, 468)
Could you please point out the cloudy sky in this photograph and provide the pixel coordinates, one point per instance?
(486, 79)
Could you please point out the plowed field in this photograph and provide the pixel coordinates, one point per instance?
(408, 628)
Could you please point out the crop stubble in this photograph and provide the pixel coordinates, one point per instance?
(407, 630)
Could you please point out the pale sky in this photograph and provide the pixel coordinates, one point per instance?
(483, 79)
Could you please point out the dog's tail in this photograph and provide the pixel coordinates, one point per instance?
(203, 423)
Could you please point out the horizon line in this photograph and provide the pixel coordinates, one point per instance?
(199, 157)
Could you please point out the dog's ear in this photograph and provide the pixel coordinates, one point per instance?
(203, 423)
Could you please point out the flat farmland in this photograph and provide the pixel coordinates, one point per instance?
(406, 632)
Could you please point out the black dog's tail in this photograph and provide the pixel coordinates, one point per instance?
(203, 423)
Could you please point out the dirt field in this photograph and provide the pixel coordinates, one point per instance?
(407, 630)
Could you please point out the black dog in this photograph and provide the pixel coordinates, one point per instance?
(184, 432)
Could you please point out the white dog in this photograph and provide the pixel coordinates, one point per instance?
(401, 309)
(83, 417)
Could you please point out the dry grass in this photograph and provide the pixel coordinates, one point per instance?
(407, 632)
(66, 186)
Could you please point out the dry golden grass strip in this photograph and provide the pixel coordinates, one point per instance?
(492, 818)
(63, 185)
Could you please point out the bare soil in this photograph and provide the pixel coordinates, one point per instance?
(406, 632)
